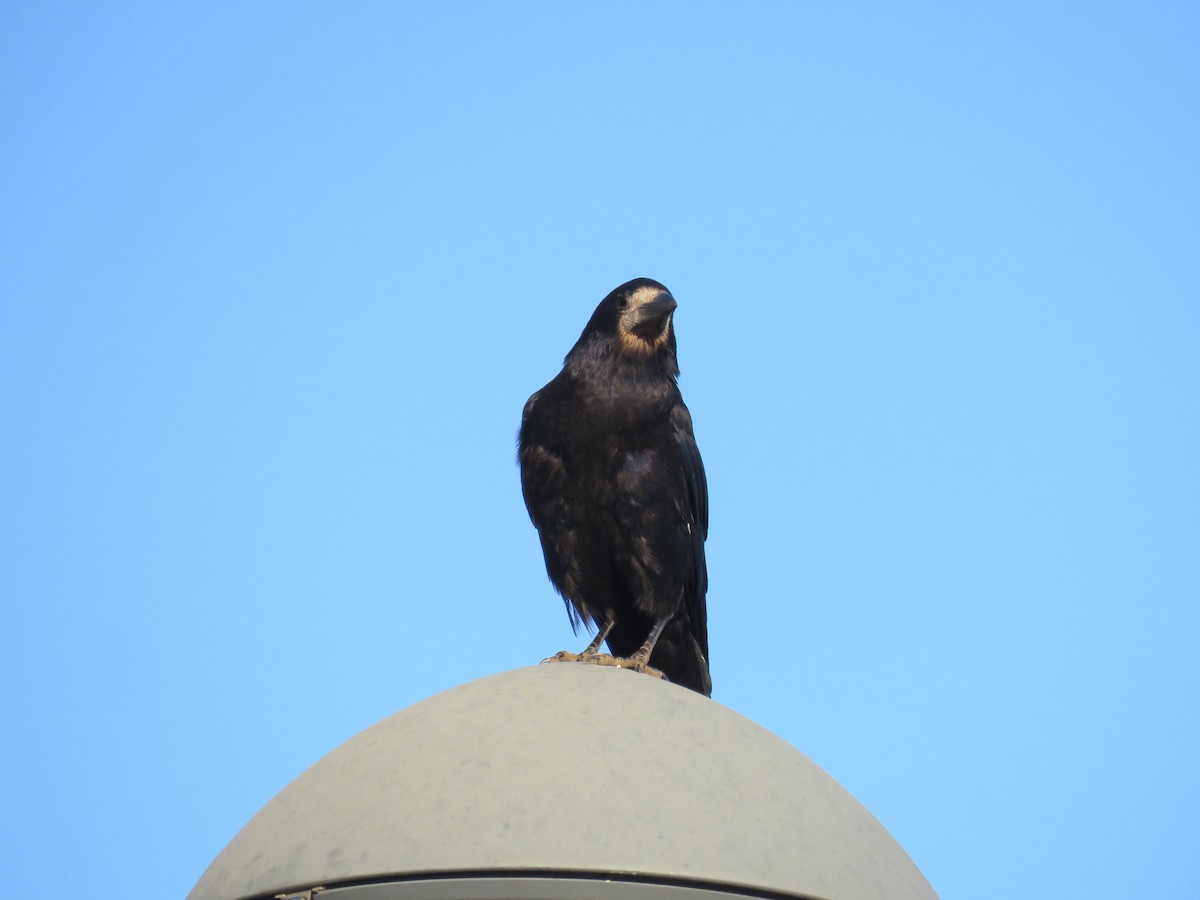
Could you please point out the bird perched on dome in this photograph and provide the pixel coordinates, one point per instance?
(613, 481)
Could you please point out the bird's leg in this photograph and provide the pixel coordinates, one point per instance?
(590, 652)
(593, 648)
(640, 661)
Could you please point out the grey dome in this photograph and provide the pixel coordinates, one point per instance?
(556, 773)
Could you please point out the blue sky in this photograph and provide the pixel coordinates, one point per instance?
(276, 279)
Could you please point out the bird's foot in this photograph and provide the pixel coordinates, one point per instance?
(594, 658)
(587, 656)
(563, 656)
(621, 662)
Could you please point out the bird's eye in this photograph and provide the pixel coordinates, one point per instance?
(622, 304)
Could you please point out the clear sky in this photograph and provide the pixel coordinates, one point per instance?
(277, 278)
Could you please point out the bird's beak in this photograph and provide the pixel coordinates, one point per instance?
(658, 308)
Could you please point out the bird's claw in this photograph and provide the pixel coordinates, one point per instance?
(606, 659)
(563, 656)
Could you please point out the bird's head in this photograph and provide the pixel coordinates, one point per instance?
(637, 315)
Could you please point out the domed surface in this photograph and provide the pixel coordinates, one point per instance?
(568, 769)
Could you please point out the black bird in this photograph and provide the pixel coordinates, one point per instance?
(613, 481)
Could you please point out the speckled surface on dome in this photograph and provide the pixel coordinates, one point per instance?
(567, 768)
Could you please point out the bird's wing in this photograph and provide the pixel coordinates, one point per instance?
(693, 466)
(542, 469)
(543, 477)
(696, 515)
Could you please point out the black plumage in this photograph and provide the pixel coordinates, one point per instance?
(614, 484)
